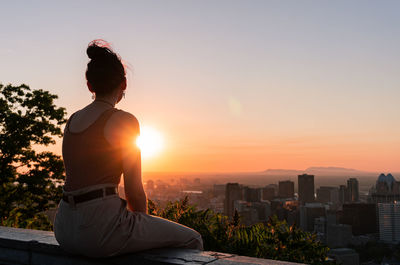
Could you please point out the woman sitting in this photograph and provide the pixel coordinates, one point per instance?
(97, 149)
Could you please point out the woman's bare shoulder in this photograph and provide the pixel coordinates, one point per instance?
(121, 125)
(125, 117)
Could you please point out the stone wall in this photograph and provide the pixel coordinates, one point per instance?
(25, 247)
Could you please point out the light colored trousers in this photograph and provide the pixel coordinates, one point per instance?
(105, 227)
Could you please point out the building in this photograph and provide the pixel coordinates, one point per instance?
(216, 204)
(308, 213)
(278, 208)
(306, 188)
(233, 192)
(251, 194)
(252, 212)
(269, 192)
(286, 189)
(343, 194)
(219, 190)
(338, 235)
(284, 209)
(389, 222)
(320, 228)
(344, 256)
(353, 190)
(386, 190)
(328, 194)
(361, 216)
(385, 184)
(263, 210)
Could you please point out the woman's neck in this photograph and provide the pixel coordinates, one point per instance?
(110, 100)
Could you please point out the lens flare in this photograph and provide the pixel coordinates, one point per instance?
(150, 142)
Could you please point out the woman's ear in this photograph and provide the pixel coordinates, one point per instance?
(123, 85)
(90, 87)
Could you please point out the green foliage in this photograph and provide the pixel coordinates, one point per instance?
(274, 240)
(23, 218)
(29, 181)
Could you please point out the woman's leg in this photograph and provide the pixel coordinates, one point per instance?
(154, 232)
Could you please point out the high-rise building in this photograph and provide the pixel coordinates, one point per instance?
(219, 190)
(352, 189)
(389, 222)
(286, 189)
(233, 192)
(386, 190)
(306, 188)
(328, 194)
(269, 192)
(338, 235)
(361, 216)
(308, 213)
(343, 194)
(251, 194)
(252, 212)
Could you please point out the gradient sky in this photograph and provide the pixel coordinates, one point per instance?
(232, 85)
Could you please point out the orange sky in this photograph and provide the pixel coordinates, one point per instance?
(232, 86)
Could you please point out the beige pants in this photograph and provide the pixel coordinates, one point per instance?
(105, 227)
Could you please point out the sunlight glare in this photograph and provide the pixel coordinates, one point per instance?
(150, 142)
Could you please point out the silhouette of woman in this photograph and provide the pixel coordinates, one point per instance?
(92, 219)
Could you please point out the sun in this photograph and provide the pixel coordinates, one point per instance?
(150, 142)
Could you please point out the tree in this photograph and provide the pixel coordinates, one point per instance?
(30, 182)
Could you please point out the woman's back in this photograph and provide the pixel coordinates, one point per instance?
(89, 158)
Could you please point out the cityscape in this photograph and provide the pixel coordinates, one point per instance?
(266, 130)
(341, 216)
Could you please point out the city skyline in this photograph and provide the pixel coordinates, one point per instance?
(231, 86)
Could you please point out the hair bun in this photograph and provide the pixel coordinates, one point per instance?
(105, 71)
(98, 49)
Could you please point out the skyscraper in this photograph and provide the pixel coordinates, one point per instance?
(387, 189)
(251, 194)
(389, 222)
(269, 192)
(308, 214)
(306, 188)
(352, 189)
(233, 192)
(286, 189)
(328, 194)
(361, 216)
(343, 194)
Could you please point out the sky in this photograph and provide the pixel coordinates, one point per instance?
(231, 85)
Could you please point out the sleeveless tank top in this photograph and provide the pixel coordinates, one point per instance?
(88, 158)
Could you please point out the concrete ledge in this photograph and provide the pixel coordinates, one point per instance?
(26, 247)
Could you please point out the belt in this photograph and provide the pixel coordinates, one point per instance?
(91, 195)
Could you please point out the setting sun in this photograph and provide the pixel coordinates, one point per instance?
(150, 142)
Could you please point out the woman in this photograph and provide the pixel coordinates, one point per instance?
(97, 148)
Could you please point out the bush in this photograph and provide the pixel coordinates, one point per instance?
(274, 240)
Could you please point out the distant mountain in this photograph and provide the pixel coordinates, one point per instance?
(282, 172)
(321, 171)
(338, 171)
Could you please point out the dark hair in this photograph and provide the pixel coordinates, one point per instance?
(105, 71)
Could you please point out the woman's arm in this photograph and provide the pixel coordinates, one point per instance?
(127, 132)
(132, 166)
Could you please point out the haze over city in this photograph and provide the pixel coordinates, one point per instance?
(230, 86)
